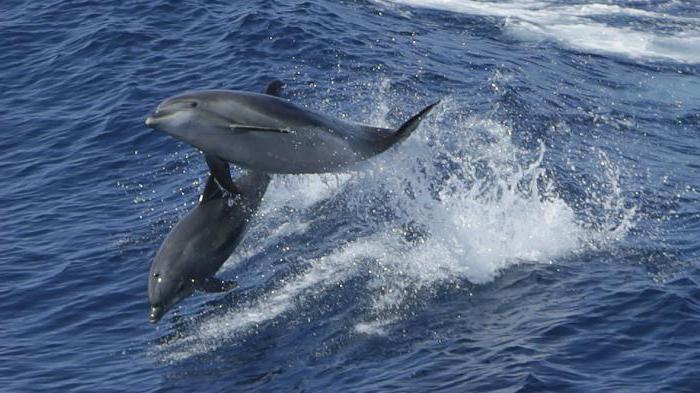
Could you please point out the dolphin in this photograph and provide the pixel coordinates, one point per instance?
(201, 241)
(270, 134)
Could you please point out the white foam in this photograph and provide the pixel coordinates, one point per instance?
(575, 26)
(374, 328)
(282, 212)
(488, 213)
(325, 271)
(299, 192)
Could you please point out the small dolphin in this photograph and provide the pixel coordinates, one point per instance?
(201, 242)
(270, 134)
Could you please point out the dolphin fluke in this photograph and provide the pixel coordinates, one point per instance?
(404, 131)
(408, 127)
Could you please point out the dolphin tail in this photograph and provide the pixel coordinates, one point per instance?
(408, 127)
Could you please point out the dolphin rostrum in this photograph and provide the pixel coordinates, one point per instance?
(270, 134)
(201, 241)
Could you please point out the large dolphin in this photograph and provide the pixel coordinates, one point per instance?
(270, 134)
(202, 240)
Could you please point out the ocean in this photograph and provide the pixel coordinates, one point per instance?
(540, 232)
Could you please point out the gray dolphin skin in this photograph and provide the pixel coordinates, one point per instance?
(270, 134)
(201, 241)
(218, 167)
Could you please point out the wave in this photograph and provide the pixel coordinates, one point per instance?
(580, 27)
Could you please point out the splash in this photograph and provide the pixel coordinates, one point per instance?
(458, 202)
(210, 334)
(579, 27)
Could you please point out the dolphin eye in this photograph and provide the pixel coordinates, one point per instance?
(193, 104)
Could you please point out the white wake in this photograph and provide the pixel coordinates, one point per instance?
(581, 27)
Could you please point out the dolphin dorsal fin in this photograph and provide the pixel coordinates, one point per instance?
(274, 88)
(212, 190)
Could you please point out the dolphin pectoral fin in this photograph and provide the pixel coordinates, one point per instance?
(214, 285)
(244, 128)
(221, 172)
(212, 190)
(274, 88)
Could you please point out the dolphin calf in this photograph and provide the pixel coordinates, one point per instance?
(266, 133)
(201, 242)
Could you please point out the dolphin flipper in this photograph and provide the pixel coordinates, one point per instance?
(242, 128)
(214, 285)
(220, 171)
(212, 190)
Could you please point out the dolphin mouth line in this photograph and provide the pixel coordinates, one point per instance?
(163, 114)
(157, 117)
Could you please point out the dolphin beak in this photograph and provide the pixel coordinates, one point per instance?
(156, 314)
(150, 121)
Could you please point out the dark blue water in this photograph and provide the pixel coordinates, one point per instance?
(539, 232)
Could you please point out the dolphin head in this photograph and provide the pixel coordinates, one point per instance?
(165, 289)
(191, 117)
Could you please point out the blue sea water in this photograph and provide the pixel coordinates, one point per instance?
(539, 233)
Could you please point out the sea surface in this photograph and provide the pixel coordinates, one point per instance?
(540, 232)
